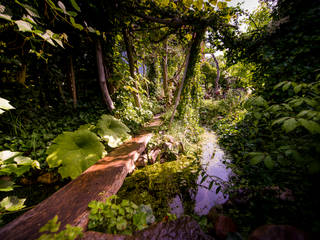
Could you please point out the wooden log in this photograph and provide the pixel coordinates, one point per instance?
(70, 203)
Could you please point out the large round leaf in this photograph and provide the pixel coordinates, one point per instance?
(74, 152)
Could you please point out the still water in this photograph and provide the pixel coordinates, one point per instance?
(212, 161)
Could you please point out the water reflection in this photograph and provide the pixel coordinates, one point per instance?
(212, 163)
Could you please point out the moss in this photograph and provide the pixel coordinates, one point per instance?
(157, 184)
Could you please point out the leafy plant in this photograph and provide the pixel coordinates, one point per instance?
(52, 226)
(112, 130)
(125, 217)
(74, 152)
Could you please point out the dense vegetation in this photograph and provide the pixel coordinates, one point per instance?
(77, 78)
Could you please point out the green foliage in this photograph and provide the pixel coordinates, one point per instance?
(112, 130)
(11, 204)
(52, 226)
(124, 217)
(74, 152)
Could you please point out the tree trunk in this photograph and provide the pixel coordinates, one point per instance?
(180, 87)
(129, 49)
(165, 72)
(191, 60)
(72, 82)
(218, 73)
(102, 77)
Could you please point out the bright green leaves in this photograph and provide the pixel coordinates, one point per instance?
(74, 152)
(14, 163)
(112, 130)
(5, 105)
(257, 157)
(75, 5)
(69, 233)
(290, 124)
(312, 126)
(12, 203)
(123, 218)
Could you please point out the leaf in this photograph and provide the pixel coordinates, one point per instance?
(12, 203)
(140, 220)
(256, 157)
(112, 130)
(74, 152)
(290, 124)
(310, 125)
(75, 5)
(259, 101)
(286, 86)
(62, 6)
(280, 120)
(222, 5)
(21, 160)
(297, 88)
(5, 105)
(5, 16)
(268, 162)
(24, 26)
(279, 85)
(213, 2)
(6, 155)
(76, 25)
(51, 226)
(6, 186)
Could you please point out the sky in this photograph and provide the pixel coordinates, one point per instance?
(247, 4)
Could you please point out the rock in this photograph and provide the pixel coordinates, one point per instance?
(48, 178)
(279, 232)
(153, 155)
(224, 225)
(142, 161)
(184, 228)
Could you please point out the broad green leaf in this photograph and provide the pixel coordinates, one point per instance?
(121, 223)
(290, 124)
(286, 86)
(12, 203)
(279, 85)
(280, 120)
(6, 156)
(140, 220)
(24, 26)
(74, 152)
(268, 162)
(6, 186)
(112, 130)
(75, 5)
(5, 16)
(198, 4)
(297, 88)
(312, 126)
(21, 160)
(259, 101)
(256, 157)
(5, 105)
